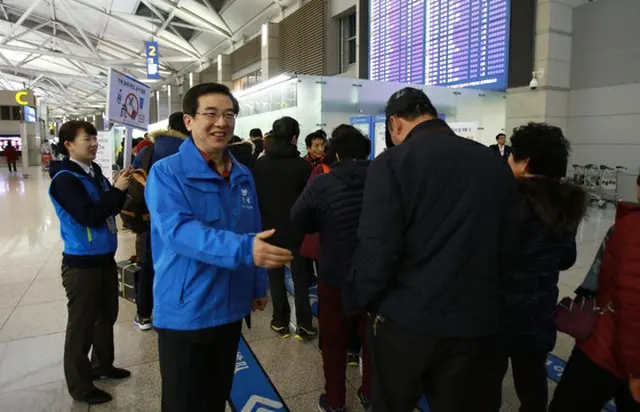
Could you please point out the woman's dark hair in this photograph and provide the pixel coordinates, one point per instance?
(69, 131)
(176, 122)
(285, 128)
(191, 98)
(315, 135)
(349, 143)
(544, 146)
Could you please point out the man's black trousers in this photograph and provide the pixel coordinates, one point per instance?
(144, 281)
(529, 379)
(406, 365)
(197, 367)
(279, 299)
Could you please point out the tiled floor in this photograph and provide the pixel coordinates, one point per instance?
(33, 318)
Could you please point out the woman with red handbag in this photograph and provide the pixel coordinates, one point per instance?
(551, 210)
(607, 364)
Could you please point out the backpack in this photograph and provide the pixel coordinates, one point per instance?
(134, 213)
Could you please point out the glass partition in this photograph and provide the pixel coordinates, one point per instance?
(326, 102)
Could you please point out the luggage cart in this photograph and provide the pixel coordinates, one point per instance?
(46, 162)
(609, 185)
(592, 178)
(578, 174)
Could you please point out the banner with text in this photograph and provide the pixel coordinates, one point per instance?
(104, 156)
(468, 130)
(128, 101)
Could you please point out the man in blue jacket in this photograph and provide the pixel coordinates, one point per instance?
(207, 254)
(164, 144)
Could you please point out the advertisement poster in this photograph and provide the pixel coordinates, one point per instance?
(379, 132)
(128, 101)
(105, 157)
(468, 130)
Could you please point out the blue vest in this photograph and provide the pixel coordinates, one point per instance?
(82, 240)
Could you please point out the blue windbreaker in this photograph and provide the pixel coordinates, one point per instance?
(202, 232)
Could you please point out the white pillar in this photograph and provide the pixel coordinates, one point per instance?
(270, 38)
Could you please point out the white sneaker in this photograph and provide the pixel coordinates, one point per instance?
(143, 323)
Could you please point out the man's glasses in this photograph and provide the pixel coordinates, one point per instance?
(226, 116)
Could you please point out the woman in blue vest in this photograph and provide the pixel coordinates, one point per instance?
(86, 205)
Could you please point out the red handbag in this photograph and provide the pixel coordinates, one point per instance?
(578, 317)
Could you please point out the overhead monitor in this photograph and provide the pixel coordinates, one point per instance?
(452, 43)
(29, 114)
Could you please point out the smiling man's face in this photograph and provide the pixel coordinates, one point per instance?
(213, 125)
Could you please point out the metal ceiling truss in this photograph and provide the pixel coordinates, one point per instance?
(79, 91)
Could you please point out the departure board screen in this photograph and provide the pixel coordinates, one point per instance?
(453, 43)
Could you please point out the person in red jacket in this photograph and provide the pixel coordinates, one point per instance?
(11, 153)
(607, 364)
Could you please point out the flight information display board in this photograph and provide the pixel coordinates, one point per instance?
(453, 43)
(396, 41)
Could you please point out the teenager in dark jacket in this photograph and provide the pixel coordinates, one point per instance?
(436, 219)
(281, 175)
(331, 205)
(607, 364)
(258, 142)
(243, 150)
(86, 205)
(550, 212)
(164, 143)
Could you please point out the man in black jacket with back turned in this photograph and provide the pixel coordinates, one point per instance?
(281, 176)
(431, 237)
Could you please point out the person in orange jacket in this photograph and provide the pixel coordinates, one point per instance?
(607, 364)
(11, 153)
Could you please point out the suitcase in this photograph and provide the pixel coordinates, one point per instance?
(127, 275)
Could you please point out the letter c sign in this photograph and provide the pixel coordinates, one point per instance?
(20, 98)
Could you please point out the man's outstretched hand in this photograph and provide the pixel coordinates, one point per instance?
(269, 256)
(260, 304)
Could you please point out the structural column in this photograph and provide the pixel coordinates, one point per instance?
(176, 98)
(550, 101)
(163, 104)
(270, 38)
(224, 70)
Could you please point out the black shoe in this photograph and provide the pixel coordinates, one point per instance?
(282, 331)
(306, 333)
(323, 405)
(95, 397)
(113, 373)
(364, 401)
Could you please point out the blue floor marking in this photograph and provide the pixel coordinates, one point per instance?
(252, 390)
(555, 365)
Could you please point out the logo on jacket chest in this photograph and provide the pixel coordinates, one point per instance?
(245, 199)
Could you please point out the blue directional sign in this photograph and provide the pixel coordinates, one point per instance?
(153, 63)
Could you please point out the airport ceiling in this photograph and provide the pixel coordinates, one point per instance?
(62, 49)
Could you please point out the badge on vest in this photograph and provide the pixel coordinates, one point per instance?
(246, 201)
(111, 225)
